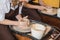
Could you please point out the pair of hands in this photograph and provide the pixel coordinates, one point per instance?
(23, 22)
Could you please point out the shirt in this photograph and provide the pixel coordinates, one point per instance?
(53, 3)
(4, 8)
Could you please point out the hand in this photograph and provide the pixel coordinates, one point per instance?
(25, 19)
(41, 8)
(19, 17)
(41, 2)
(22, 25)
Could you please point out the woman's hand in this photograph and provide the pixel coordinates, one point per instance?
(23, 23)
(41, 2)
(41, 8)
(19, 17)
(25, 19)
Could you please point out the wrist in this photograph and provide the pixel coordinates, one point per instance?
(16, 23)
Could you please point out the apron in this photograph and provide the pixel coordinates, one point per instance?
(5, 32)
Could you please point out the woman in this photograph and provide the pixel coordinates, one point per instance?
(5, 33)
(32, 6)
(46, 7)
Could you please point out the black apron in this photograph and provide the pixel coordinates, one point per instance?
(5, 32)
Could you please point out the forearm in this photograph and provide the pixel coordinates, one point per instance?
(9, 22)
(31, 6)
(35, 6)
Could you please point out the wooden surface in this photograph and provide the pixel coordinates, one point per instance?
(51, 20)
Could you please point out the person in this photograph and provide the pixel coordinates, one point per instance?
(29, 9)
(51, 5)
(45, 6)
(32, 10)
(6, 19)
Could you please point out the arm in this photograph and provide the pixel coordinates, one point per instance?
(31, 6)
(34, 6)
(9, 22)
(6, 21)
(26, 4)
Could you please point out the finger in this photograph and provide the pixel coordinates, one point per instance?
(25, 17)
(19, 17)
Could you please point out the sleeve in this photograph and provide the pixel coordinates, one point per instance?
(2, 15)
(6, 6)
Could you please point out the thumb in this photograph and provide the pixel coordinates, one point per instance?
(19, 17)
(25, 17)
